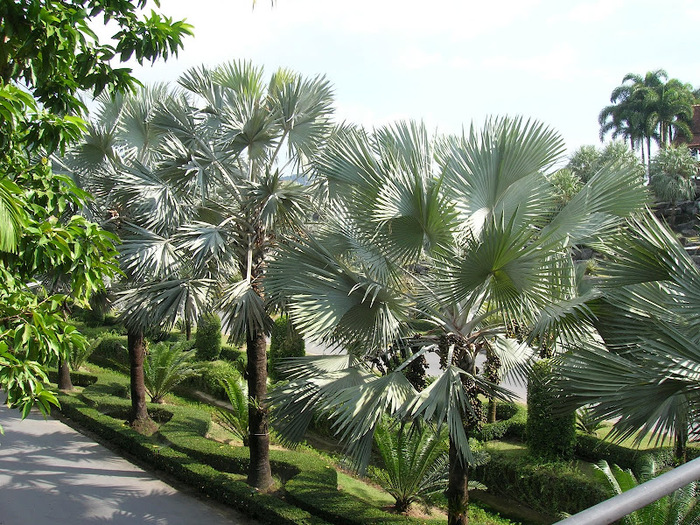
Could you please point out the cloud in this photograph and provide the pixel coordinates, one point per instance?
(591, 12)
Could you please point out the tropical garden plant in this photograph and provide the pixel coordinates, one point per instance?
(235, 418)
(166, 365)
(643, 372)
(679, 508)
(415, 463)
(480, 213)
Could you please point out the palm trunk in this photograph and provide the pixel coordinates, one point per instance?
(188, 329)
(137, 353)
(493, 403)
(259, 473)
(64, 381)
(457, 493)
(681, 446)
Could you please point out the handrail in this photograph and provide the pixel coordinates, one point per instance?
(638, 497)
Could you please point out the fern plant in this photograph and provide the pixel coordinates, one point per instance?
(165, 367)
(235, 418)
(415, 463)
(679, 508)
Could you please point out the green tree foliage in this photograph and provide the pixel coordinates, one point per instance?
(550, 435)
(586, 161)
(649, 108)
(208, 337)
(50, 50)
(166, 365)
(682, 507)
(672, 176)
(285, 342)
(480, 212)
(645, 378)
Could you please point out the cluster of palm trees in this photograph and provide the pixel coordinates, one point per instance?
(379, 229)
(191, 180)
(649, 108)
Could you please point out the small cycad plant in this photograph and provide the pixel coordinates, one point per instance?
(235, 418)
(165, 366)
(415, 461)
(679, 508)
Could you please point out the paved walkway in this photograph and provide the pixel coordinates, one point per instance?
(52, 475)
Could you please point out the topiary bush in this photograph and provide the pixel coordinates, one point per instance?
(208, 337)
(550, 434)
(284, 342)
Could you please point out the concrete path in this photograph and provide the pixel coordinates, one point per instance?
(52, 475)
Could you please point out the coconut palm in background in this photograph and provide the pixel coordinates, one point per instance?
(479, 213)
(647, 376)
(195, 179)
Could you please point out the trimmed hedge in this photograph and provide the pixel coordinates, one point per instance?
(550, 488)
(512, 419)
(208, 378)
(77, 378)
(111, 352)
(179, 448)
(593, 449)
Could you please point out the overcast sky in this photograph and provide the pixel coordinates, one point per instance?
(451, 62)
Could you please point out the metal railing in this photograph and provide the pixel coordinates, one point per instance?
(638, 497)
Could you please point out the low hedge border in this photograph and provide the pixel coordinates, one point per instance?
(179, 448)
(513, 420)
(550, 488)
(594, 449)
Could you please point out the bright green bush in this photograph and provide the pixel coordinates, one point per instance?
(166, 365)
(235, 419)
(550, 488)
(209, 377)
(550, 434)
(511, 422)
(284, 342)
(111, 352)
(208, 337)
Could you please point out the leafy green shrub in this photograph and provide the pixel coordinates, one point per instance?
(593, 449)
(80, 354)
(284, 342)
(549, 435)
(236, 356)
(550, 488)
(208, 337)
(111, 352)
(235, 419)
(414, 463)
(511, 423)
(166, 365)
(209, 377)
(680, 507)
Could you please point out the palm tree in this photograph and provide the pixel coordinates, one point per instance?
(480, 214)
(646, 376)
(201, 176)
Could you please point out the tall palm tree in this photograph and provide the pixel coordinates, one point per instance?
(646, 377)
(479, 213)
(204, 177)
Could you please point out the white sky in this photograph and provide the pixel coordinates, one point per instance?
(450, 62)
